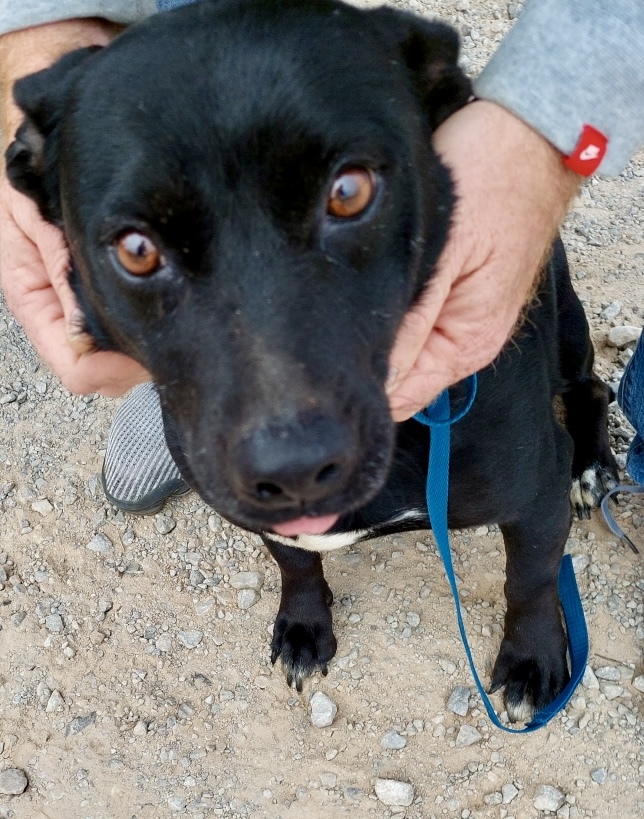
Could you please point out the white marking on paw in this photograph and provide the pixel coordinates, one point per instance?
(519, 711)
(575, 493)
(591, 490)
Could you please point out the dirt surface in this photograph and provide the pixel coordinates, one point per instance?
(132, 684)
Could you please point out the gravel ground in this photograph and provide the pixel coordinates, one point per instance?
(135, 680)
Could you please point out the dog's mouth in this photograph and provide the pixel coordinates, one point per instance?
(306, 525)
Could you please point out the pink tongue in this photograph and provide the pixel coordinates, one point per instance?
(306, 526)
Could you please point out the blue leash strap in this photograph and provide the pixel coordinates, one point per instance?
(437, 416)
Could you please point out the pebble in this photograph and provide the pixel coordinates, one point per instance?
(509, 792)
(55, 702)
(13, 781)
(323, 710)
(247, 598)
(163, 643)
(638, 683)
(413, 619)
(189, 638)
(328, 780)
(547, 797)
(392, 741)
(610, 691)
(589, 680)
(54, 622)
(247, 580)
(394, 792)
(458, 701)
(164, 524)
(621, 336)
(140, 729)
(467, 735)
(43, 507)
(100, 543)
(176, 803)
(608, 672)
(599, 775)
(79, 724)
(612, 311)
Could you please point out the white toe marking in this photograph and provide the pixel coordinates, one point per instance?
(575, 493)
(519, 712)
(590, 488)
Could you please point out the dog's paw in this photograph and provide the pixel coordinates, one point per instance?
(531, 679)
(305, 646)
(589, 488)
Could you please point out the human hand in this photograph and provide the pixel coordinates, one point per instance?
(34, 259)
(513, 191)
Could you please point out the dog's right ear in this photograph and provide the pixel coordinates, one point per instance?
(32, 156)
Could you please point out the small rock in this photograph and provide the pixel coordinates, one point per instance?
(509, 792)
(328, 780)
(599, 775)
(612, 311)
(610, 691)
(196, 577)
(547, 797)
(589, 680)
(43, 507)
(638, 683)
(392, 741)
(467, 735)
(458, 701)
(393, 792)
(323, 710)
(261, 681)
(608, 672)
(189, 638)
(247, 598)
(247, 580)
(55, 702)
(54, 622)
(580, 562)
(163, 643)
(79, 724)
(13, 781)
(176, 803)
(140, 729)
(494, 798)
(413, 619)
(100, 543)
(164, 524)
(621, 336)
(481, 531)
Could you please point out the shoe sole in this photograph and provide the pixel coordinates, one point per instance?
(150, 503)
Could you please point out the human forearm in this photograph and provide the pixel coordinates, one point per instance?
(568, 63)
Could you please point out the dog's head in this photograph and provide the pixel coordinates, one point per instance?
(252, 204)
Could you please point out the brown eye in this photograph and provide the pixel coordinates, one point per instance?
(138, 254)
(352, 191)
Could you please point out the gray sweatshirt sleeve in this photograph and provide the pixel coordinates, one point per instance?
(17, 15)
(567, 63)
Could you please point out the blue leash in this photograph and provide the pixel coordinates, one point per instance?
(437, 416)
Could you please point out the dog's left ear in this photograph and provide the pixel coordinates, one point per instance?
(430, 50)
(32, 156)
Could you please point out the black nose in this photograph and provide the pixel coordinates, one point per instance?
(293, 463)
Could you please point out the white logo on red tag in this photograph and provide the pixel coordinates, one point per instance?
(590, 152)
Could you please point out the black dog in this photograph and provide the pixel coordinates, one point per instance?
(252, 203)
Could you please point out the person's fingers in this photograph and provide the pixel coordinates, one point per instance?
(415, 329)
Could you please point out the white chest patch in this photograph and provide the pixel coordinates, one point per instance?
(337, 540)
(321, 543)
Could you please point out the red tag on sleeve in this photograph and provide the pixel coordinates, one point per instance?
(588, 153)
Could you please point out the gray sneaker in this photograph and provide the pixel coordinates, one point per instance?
(138, 471)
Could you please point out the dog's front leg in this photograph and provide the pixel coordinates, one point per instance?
(532, 660)
(303, 633)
